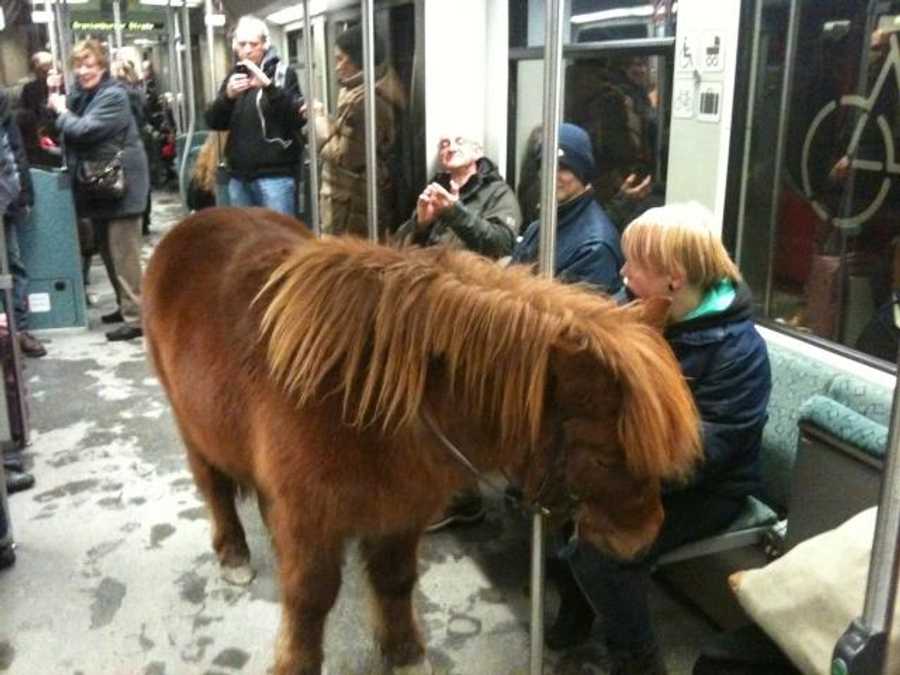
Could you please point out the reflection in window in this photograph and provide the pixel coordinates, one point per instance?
(616, 100)
(834, 266)
(594, 20)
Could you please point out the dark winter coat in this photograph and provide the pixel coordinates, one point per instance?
(17, 145)
(726, 364)
(486, 218)
(251, 151)
(587, 245)
(97, 125)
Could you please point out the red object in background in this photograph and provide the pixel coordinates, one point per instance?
(795, 242)
(47, 143)
(168, 150)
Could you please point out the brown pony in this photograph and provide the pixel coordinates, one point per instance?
(306, 369)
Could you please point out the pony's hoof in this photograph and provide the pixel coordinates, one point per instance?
(238, 576)
(423, 667)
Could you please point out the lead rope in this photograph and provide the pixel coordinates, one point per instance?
(515, 496)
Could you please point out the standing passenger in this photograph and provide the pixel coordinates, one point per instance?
(97, 123)
(672, 252)
(587, 243)
(343, 200)
(259, 103)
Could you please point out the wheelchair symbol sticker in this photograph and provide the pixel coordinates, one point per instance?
(686, 59)
(712, 53)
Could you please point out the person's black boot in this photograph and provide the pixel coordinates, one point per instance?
(575, 617)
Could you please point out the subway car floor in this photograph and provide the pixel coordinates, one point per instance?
(115, 572)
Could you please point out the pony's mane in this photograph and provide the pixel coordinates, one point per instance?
(369, 322)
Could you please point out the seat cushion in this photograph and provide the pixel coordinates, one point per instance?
(846, 424)
(806, 599)
(868, 399)
(794, 380)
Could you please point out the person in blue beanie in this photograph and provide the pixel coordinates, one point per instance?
(587, 242)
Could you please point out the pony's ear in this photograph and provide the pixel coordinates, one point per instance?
(652, 311)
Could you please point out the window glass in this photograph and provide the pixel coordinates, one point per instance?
(828, 262)
(594, 20)
(617, 100)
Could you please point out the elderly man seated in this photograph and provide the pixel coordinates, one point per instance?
(466, 205)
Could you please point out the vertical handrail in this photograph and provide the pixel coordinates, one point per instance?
(51, 31)
(212, 88)
(553, 27)
(191, 106)
(748, 132)
(117, 23)
(177, 83)
(368, 34)
(65, 45)
(313, 142)
(784, 112)
(862, 648)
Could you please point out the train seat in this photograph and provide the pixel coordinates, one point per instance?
(826, 436)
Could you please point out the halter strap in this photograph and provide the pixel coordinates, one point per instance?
(517, 497)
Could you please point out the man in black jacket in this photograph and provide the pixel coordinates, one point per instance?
(259, 103)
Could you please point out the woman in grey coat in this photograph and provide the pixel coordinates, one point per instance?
(96, 123)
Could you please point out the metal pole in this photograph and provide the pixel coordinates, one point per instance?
(117, 23)
(65, 46)
(52, 23)
(862, 648)
(212, 87)
(790, 50)
(748, 130)
(553, 29)
(313, 143)
(175, 69)
(368, 33)
(191, 104)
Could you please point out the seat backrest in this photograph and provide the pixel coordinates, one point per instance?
(794, 380)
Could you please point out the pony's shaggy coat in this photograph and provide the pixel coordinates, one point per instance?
(301, 368)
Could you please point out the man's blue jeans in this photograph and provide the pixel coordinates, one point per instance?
(273, 192)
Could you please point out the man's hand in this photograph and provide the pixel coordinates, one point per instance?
(634, 191)
(433, 201)
(840, 170)
(237, 85)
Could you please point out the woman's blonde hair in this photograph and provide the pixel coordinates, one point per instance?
(124, 70)
(680, 237)
(90, 47)
(208, 160)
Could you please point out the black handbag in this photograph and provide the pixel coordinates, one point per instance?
(102, 179)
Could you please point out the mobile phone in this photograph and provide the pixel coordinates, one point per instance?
(253, 70)
(242, 69)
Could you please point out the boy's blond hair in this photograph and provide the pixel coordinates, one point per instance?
(680, 237)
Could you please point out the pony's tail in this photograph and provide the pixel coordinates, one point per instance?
(658, 422)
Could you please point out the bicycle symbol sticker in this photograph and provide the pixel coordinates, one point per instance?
(854, 106)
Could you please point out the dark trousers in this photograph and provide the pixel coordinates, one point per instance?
(13, 222)
(618, 591)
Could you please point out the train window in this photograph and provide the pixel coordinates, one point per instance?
(616, 98)
(821, 249)
(593, 20)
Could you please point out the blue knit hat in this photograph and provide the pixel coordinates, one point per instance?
(575, 152)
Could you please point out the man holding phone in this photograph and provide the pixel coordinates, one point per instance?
(467, 204)
(258, 103)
